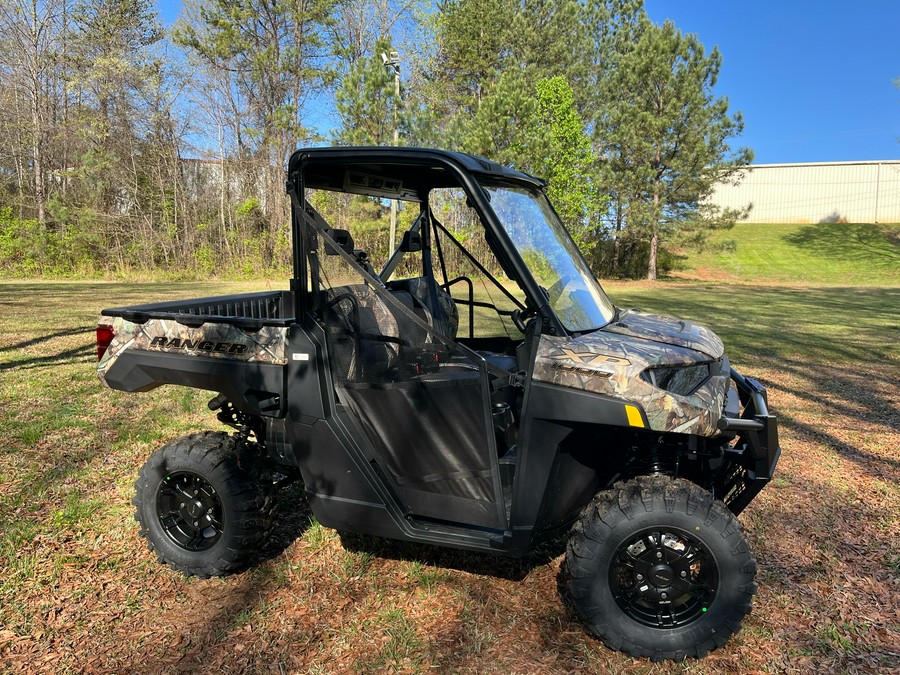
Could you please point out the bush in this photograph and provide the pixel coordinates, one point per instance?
(630, 261)
(23, 245)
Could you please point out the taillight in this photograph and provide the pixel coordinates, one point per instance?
(105, 335)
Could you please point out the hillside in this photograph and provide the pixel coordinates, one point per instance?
(820, 253)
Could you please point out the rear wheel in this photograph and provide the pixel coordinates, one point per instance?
(204, 509)
(657, 568)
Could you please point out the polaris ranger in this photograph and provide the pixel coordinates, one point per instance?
(474, 388)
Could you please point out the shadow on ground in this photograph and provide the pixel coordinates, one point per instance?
(870, 245)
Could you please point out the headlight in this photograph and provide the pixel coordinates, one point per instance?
(682, 380)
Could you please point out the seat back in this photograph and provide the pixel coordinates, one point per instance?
(418, 288)
(364, 333)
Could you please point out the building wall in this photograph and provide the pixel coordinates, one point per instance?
(852, 192)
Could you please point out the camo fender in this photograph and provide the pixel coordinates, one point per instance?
(609, 363)
(668, 330)
(211, 340)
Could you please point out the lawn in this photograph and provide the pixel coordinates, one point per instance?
(821, 253)
(79, 591)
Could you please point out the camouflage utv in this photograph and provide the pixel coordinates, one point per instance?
(473, 388)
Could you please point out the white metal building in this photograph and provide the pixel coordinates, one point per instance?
(851, 192)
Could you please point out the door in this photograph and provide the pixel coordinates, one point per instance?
(420, 401)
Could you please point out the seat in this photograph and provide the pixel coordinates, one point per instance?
(365, 335)
(418, 288)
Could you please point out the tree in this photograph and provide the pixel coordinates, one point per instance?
(512, 85)
(29, 31)
(570, 165)
(110, 66)
(474, 39)
(367, 102)
(276, 56)
(665, 137)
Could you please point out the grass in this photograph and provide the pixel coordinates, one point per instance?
(821, 325)
(79, 591)
(821, 253)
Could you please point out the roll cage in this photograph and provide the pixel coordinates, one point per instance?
(409, 174)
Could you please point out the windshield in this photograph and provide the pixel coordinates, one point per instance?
(552, 257)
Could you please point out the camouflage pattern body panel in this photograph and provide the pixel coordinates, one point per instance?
(609, 363)
(211, 340)
(667, 330)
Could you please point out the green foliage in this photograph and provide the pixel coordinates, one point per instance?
(627, 258)
(474, 38)
(250, 209)
(664, 136)
(506, 127)
(22, 245)
(569, 166)
(367, 102)
(206, 259)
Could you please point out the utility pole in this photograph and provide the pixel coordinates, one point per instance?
(392, 63)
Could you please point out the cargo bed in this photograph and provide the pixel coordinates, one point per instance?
(249, 311)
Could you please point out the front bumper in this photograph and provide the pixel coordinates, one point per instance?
(755, 451)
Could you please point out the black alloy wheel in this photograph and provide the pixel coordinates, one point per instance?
(664, 578)
(657, 568)
(189, 510)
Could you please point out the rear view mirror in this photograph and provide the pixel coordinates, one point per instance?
(412, 242)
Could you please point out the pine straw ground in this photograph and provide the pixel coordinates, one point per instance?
(79, 592)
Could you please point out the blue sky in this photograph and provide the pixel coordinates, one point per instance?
(812, 79)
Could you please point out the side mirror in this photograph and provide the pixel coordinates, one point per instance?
(342, 238)
(412, 242)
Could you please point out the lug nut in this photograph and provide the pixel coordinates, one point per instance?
(210, 511)
(683, 574)
(196, 492)
(196, 524)
(639, 577)
(182, 504)
(663, 596)
(659, 554)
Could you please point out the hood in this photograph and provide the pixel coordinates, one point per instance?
(667, 330)
(610, 362)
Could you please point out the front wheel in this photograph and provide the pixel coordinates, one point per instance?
(202, 507)
(657, 568)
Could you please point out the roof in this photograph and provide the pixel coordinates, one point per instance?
(842, 163)
(328, 167)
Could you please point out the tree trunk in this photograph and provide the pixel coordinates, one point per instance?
(36, 122)
(617, 237)
(654, 239)
(651, 265)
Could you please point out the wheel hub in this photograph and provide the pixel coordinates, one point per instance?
(189, 511)
(663, 578)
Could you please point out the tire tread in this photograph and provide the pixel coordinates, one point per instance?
(245, 485)
(609, 510)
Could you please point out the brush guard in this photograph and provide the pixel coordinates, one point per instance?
(755, 452)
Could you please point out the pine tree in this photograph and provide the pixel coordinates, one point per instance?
(274, 56)
(367, 102)
(665, 136)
